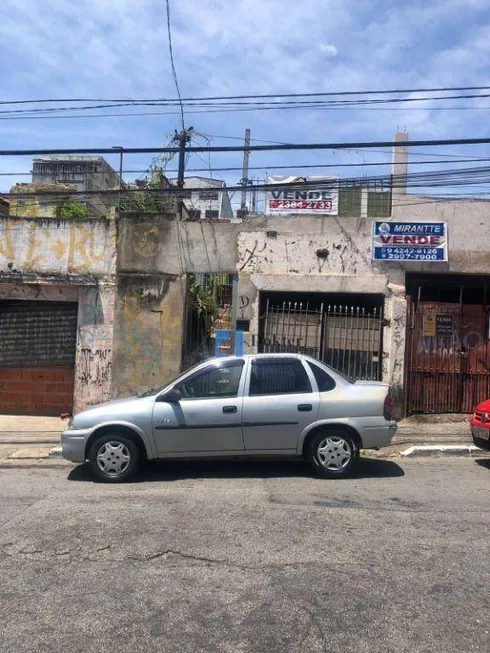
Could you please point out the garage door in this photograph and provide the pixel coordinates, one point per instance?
(37, 357)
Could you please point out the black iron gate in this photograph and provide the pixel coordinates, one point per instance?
(348, 338)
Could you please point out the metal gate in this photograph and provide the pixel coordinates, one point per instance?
(348, 338)
(447, 357)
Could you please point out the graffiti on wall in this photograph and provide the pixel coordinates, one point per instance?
(54, 246)
(94, 369)
(304, 254)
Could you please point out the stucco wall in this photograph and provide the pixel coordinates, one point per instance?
(53, 246)
(162, 244)
(128, 276)
(149, 314)
(68, 260)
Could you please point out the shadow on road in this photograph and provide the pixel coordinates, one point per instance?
(188, 469)
(483, 462)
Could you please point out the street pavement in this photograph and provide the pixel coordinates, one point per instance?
(239, 556)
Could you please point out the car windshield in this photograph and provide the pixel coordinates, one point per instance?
(154, 391)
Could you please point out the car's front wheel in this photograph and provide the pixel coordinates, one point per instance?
(114, 458)
(332, 453)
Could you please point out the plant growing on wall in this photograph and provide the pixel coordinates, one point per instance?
(203, 297)
(73, 209)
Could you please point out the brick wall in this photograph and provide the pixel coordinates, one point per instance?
(37, 390)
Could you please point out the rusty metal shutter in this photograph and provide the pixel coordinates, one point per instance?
(37, 333)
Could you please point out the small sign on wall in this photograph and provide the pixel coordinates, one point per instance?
(429, 324)
(444, 325)
(409, 241)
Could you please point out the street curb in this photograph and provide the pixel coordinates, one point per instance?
(33, 463)
(443, 450)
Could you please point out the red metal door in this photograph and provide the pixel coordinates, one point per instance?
(447, 358)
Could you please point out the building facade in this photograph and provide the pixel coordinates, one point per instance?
(210, 201)
(95, 309)
(89, 174)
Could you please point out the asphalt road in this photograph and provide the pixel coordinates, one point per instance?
(224, 557)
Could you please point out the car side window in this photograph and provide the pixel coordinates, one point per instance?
(215, 382)
(323, 380)
(280, 376)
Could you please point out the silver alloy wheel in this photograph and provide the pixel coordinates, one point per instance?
(113, 458)
(334, 453)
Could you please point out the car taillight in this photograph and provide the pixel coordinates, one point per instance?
(388, 408)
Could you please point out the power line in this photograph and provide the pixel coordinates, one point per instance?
(244, 97)
(271, 166)
(175, 113)
(174, 73)
(257, 148)
(431, 179)
(223, 104)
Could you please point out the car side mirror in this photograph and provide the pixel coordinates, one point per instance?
(171, 397)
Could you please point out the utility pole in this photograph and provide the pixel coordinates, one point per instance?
(254, 199)
(121, 154)
(182, 138)
(244, 182)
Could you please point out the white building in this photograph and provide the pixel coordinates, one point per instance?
(210, 202)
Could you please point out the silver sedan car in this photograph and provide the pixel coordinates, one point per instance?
(256, 405)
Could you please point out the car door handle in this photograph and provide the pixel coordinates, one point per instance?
(305, 408)
(229, 409)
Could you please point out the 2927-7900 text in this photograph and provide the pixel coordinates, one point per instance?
(407, 253)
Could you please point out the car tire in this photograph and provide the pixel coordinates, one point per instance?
(332, 453)
(114, 458)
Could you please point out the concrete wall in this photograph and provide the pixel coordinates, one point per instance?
(162, 244)
(129, 277)
(468, 230)
(149, 323)
(54, 246)
(333, 255)
(68, 260)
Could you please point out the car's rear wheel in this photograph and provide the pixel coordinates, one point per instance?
(114, 458)
(332, 453)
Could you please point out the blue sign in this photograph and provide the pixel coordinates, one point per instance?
(409, 241)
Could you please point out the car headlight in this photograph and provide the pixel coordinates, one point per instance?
(68, 417)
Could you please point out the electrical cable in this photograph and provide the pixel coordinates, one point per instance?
(269, 95)
(257, 148)
(430, 179)
(174, 73)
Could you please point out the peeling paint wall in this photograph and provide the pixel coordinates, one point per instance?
(149, 316)
(68, 260)
(53, 246)
(93, 363)
(174, 247)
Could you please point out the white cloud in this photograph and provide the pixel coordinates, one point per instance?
(118, 48)
(328, 49)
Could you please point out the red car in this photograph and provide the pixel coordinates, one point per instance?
(480, 425)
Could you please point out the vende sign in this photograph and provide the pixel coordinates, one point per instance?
(323, 199)
(409, 241)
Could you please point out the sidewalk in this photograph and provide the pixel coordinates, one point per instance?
(30, 438)
(447, 434)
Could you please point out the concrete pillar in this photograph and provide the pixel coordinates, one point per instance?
(394, 338)
(399, 166)
(364, 202)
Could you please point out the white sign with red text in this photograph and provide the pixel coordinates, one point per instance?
(320, 194)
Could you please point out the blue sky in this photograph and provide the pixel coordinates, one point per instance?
(118, 49)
